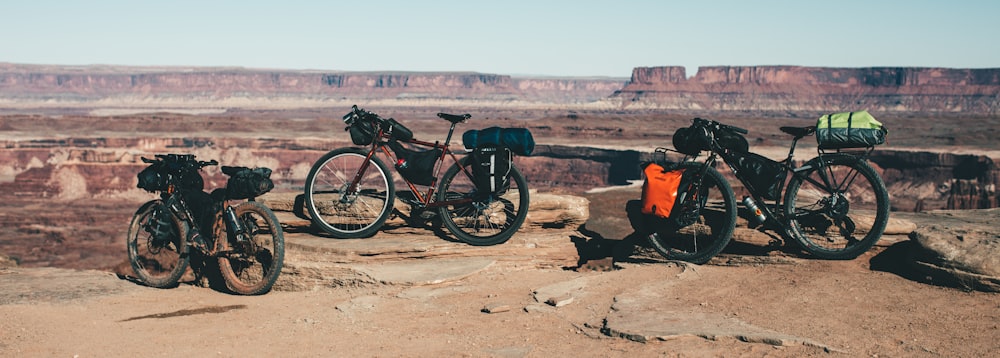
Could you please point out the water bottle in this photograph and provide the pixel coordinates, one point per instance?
(752, 206)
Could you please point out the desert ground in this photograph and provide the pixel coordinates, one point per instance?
(587, 289)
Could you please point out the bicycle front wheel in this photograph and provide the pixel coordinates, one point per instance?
(704, 222)
(155, 249)
(838, 208)
(485, 219)
(250, 263)
(337, 209)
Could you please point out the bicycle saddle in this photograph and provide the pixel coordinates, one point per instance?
(455, 118)
(799, 132)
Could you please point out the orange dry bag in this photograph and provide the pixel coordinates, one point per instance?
(659, 190)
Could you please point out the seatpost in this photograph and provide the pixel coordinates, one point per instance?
(791, 151)
(451, 130)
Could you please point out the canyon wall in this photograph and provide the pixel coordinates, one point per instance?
(38, 85)
(815, 90)
(106, 168)
(781, 90)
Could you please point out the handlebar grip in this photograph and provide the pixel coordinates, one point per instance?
(738, 129)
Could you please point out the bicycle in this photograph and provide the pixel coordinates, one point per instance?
(835, 206)
(245, 238)
(349, 192)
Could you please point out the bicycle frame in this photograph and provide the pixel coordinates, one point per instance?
(788, 166)
(425, 199)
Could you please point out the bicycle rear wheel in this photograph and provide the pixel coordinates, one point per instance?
(349, 214)
(488, 219)
(840, 211)
(250, 264)
(709, 207)
(155, 249)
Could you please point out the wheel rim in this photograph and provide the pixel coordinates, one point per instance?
(488, 216)
(156, 258)
(345, 211)
(837, 219)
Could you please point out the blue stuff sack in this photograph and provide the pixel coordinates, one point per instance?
(518, 140)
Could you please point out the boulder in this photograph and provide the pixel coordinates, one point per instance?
(962, 249)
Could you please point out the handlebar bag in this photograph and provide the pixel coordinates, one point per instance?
(248, 183)
(849, 130)
(692, 140)
(659, 190)
(152, 179)
(160, 174)
(518, 140)
(362, 131)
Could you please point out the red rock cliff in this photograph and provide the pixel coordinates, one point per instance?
(815, 89)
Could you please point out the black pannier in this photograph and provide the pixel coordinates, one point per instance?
(491, 168)
(247, 183)
(517, 140)
(416, 166)
(766, 176)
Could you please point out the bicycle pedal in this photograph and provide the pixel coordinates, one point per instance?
(427, 214)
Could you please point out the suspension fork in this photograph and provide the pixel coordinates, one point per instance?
(234, 226)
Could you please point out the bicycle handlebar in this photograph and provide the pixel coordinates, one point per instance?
(180, 159)
(716, 125)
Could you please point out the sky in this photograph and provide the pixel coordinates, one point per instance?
(515, 37)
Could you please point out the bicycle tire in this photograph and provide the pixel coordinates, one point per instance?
(349, 215)
(156, 262)
(812, 210)
(712, 230)
(251, 267)
(490, 219)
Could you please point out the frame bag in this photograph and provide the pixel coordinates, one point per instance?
(763, 174)
(849, 130)
(416, 166)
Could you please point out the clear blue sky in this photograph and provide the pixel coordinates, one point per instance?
(537, 37)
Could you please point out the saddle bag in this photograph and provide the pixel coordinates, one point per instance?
(518, 140)
(491, 168)
(416, 166)
(849, 130)
(246, 183)
(660, 189)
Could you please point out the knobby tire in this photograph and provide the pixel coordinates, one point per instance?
(156, 263)
(699, 242)
(252, 266)
(840, 221)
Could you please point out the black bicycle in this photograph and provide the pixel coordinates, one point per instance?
(245, 237)
(835, 206)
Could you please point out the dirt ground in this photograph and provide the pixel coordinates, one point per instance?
(872, 306)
